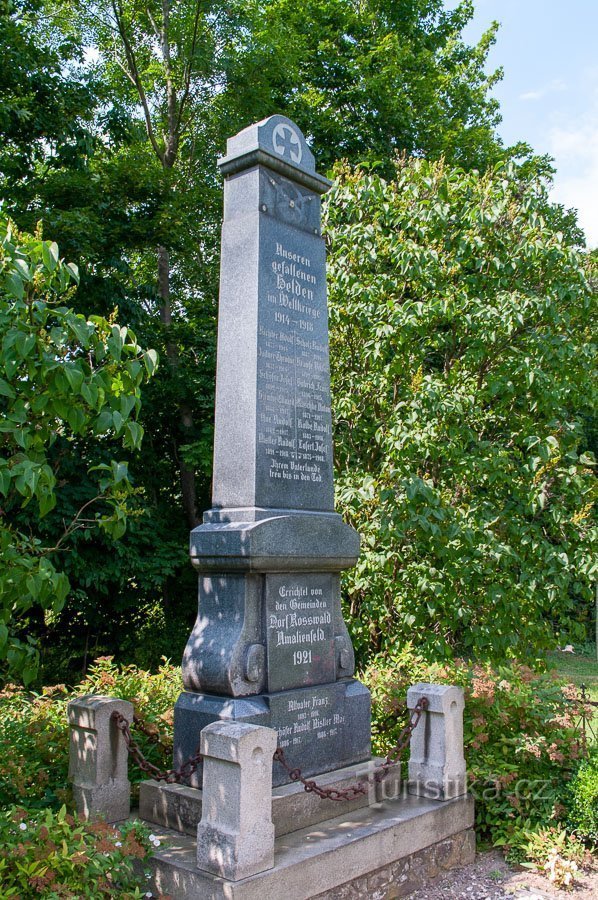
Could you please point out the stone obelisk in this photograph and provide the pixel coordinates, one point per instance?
(269, 645)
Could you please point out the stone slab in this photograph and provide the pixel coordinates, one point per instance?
(414, 872)
(320, 728)
(178, 807)
(299, 630)
(321, 860)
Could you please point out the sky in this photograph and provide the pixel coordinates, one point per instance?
(549, 92)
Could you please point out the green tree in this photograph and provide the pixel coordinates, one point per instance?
(367, 80)
(62, 379)
(463, 366)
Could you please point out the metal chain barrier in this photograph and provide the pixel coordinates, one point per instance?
(394, 755)
(171, 776)
(176, 776)
(359, 789)
(311, 787)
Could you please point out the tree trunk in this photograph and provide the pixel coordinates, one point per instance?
(186, 473)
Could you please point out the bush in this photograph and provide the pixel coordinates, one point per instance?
(461, 322)
(52, 854)
(34, 730)
(520, 736)
(582, 799)
(67, 386)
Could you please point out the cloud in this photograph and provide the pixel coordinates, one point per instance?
(557, 84)
(574, 146)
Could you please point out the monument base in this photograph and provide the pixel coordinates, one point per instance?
(178, 807)
(385, 850)
(320, 728)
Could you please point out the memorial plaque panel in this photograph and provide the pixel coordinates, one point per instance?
(294, 432)
(310, 724)
(299, 630)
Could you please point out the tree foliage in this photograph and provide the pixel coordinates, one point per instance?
(367, 80)
(463, 364)
(64, 382)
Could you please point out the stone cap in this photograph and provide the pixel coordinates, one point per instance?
(442, 698)
(279, 144)
(232, 741)
(95, 710)
(281, 543)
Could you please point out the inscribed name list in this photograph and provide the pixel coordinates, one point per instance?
(294, 441)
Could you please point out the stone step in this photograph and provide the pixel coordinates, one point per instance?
(366, 851)
(178, 807)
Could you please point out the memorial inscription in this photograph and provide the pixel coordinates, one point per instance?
(294, 432)
(311, 721)
(300, 630)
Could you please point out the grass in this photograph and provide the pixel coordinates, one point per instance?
(579, 668)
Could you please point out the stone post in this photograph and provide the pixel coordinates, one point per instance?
(98, 758)
(235, 837)
(437, 764)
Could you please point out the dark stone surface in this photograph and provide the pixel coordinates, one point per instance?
(278, 145)
(237, 649)
(286, 540)
(273, 441)
(270, 552)
(294, 431)
(299, 630)
(320, 728)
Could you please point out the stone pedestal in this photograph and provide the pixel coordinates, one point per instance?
(381, 851)
(235, 837)
(270, 646)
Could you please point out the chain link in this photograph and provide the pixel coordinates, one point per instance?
(176, 776)
(311, 787)
(359, 789)
(171, 776)
(394, 755)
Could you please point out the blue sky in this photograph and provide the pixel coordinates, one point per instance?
(549, 93)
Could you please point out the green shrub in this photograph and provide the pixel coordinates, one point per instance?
(521, 743)
(34, 730)
(582, 799)
(64, 381)
(462, 317)
(52, 854)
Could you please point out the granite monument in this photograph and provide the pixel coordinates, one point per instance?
(270, 646)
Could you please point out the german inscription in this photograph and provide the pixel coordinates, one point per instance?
(311, 724)
(294, 441)
(299, 630)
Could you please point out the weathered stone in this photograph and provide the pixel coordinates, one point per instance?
(437, 764)
(330, 860)
(235, 838)
(98, 757)
(320, 728)
(178, 806)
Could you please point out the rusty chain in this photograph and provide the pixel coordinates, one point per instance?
(394, 755)
(176, 776)
(151, 733)
(381, 771)
(171, 776)
(311, 787)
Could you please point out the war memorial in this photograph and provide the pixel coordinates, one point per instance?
(269, 666)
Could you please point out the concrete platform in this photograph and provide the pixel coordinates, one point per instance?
(178, 806)
(350, 856)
